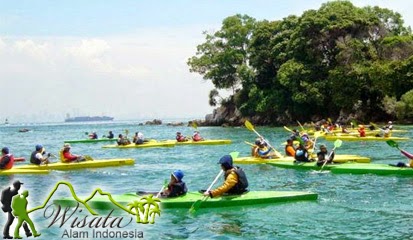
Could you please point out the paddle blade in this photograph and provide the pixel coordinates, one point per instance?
(249, 125)
(338, 143)
(234, 155)
(194, 125)
(195, 206)
(392, 143)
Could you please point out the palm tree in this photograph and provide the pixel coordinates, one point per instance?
(155, 210)
(149, 201)
(138, 206)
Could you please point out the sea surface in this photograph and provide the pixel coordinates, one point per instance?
(348, 207)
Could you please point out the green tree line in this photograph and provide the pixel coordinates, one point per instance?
(339, 60)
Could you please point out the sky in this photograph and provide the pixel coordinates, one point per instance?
(126, 59)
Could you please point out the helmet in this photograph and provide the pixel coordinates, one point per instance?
(5, 150)
(178, 174)
(39, 147)
(226, 161)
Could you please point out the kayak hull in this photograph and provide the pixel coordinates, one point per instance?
(367, 138)
(23, 171)
(205, 142)
(79, 165)
(186, 201)
(379, 169)
(339, 158)
(143, 145)
(91, 140)
(302, 166)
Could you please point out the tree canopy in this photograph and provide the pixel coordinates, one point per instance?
(339, 59)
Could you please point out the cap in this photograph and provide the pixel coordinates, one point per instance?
(226, 161)
(178, 175)
(5, 150)
(17, 183)
(178, 132)
(39, 147)
(66, 145)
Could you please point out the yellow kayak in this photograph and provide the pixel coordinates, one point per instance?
(204, 142)
(97, 163)
(16, 170)
(339, 158)
(144, 145)
(367, 138)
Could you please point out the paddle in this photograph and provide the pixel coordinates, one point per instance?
(302, 128)
(165, 184)
(337, 144)
(316, 135)
(286, 128)
(251, 127)
(198, 203)
(194, 125)
(392, 143)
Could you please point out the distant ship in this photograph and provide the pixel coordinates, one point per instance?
(88, 119)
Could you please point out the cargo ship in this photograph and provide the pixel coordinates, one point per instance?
(88, 119)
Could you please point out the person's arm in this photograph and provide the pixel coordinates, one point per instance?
(407, 154)
(229, 183)
(263, 153)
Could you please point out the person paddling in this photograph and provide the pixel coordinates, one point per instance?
(196, 137)
(289, 148)
(39, 156)
(122, 140)
(323, 157)
(301, 154)
(176, 186)
(262, 151)
(361, 131)
(180, 137)
(235, 179)
(7, 159)
(67, 156)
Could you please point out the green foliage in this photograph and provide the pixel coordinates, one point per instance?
(337, 58)
(404, 107)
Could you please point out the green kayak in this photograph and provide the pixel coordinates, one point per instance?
(97, 163)
(186, 201)
(91, 140)
(144, 145)
(305, 166)
(339, 158)
(367, 138)
(204, 142)
(15, 170)
(379, 169)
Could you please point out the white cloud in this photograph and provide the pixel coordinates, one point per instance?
(130, 76)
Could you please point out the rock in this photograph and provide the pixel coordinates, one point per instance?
(175, 124)
(154, 122)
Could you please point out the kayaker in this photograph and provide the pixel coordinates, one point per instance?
(390, 125)
(7, 159)
(122, 141)
(39, 156)
(110, 135)
(176, 186)
(301, 154)
(93, 135)
(196, 137)
(67, 156)
(235, 179)
(402, 164)
(180, 137)
(289, 148)
(361, 131)
(138, 138)
(263, 151)
(385, 133)
(323, 156)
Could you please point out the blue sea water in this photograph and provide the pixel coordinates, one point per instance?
(348, 207)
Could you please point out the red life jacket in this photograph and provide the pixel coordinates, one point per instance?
(196, 137)
(9, 165)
